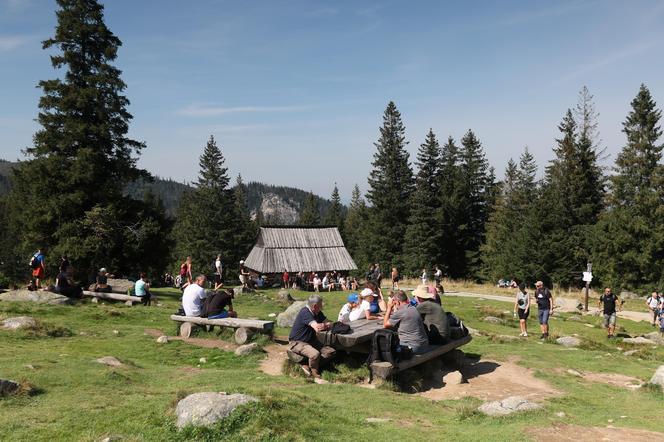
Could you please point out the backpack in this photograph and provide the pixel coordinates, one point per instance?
(339, 328)
(457, 329)
(384, 343)
(34, 262)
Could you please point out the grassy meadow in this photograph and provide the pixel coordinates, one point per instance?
(74, 398)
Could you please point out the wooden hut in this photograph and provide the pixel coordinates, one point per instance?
(296, 248)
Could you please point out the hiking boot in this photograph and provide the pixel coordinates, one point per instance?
(306, 369)
(315, 373)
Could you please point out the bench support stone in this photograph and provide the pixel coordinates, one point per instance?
(243, 335)
(185, 329)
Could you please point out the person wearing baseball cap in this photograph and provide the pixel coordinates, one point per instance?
(364, 311)
(352, 304)
(433, 315)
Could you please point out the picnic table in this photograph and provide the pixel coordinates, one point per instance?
(359, 340)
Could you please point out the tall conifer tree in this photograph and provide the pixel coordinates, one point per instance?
(355, 228)
(391, 185)
(334, 216)
(450, 246)
(310, 215)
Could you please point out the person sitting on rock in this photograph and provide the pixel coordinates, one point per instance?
(352, 304)
(142, 289)
(302, 338)
(65, 287)
(408, 323)
(219, 305)
(433, 316)
(193, 296)
(101, 283)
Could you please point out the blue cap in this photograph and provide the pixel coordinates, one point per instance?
(353, 297)
(413, 301)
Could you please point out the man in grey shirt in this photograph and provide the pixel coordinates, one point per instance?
(433, 315)
(408, 323)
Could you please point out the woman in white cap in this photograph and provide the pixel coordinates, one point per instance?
(244, 275)
(367, 297)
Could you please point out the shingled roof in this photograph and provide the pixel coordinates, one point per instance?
(306, 249)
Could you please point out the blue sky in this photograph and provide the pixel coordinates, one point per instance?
(294, 91)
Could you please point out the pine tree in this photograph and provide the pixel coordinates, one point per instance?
(628, 250)
(355, 228)
(310, 215)
(205, 223)
(451, 253)
(334, 216)
(81, 158)
(476, 195)
(423, 231)
(391, 186)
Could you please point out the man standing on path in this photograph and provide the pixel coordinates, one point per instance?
(38, 265)
(609, 300)
(302, 338)
(653, 303)
(544, 307)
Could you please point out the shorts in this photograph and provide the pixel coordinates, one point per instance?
(523, 314)
(38, 273)
(222, 315)
(609, 319)
(243, 279)
(543, 316)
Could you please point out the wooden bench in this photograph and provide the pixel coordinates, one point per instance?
(385, 370)
(127, 299)
(244, 328)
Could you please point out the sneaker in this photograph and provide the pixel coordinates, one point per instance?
(306, 369)
(525, 334)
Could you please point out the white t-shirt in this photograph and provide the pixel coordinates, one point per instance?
(358, 313)
(192, 299)
(326, 281)
(217, 265)
(316, 281)
(653, 302)
(344, 313)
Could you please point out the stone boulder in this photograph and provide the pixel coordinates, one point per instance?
(568, 341)
(162, 339)
(630, 295)
(240, 290)
(19, 322)
(287, 317)
(244, 350)
(39, 297)
(8, 387)
(507, 406)
(639, 340)
(284, 295)
(205, 409)
(110, 361)
(567, 305)
(658, 377)
(656, 337)
(121, 285)
(453, 378)
(494, 320)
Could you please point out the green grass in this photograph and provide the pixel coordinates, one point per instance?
(75, 398)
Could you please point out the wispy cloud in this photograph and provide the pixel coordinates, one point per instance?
(9, 42)
(196, 110)
(607, 60)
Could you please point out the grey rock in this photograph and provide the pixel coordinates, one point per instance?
(120, 285)
(567, 305)
(205, 409)
(162, 340)
(507, 406)
(287, 317)
(39, 297)
(574, 319)
(658, 377)
(8, 387)
(284, 295)
(568, 341)
(110, 361)
(656, 337)
(112, 438)
(244, 350)
(639, 340)
(630, 352)
(493, 320)
(574, 373)
(630, 295)
(453, 378)
(19, 322)
(376, 420)
(240, 290)
(474, 332)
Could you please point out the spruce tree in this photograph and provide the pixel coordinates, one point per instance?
(423, 231)
(451, 253)
(628, 249)
(355, 228)
(310, 215)
(391, 186)
(334, 216)
(205, 223)
(82, 157)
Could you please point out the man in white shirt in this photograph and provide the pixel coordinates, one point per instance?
(192, 298)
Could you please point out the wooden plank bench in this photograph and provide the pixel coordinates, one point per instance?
(385, 370)
(244, 328)
(127, 299)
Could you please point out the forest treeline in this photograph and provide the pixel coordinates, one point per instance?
(69, 195)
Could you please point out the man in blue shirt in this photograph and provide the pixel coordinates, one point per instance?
(302, 338)
(142, 289)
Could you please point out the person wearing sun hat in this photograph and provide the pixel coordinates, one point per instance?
(352, 304)
(433, 315)
(364, 311)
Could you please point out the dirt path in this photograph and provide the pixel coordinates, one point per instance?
(575, 433)
(273, 363)
(492, 380)
(198, 342)
(613, 379)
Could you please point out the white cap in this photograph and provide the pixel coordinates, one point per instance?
(367, 292)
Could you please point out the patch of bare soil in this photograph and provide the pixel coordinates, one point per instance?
(198, 342)
(491, 381)
(613, 379)
(575, 433)
(276, 355)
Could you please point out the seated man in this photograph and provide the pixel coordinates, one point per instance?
(64, 287)
(216, 303)
(142, 289)
(352, 304)
(302, 338)
(433, 316)
(408, 322)
(193, 296)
